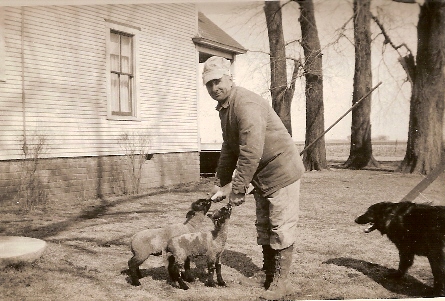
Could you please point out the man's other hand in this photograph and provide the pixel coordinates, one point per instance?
(236, 199)
(221, 192)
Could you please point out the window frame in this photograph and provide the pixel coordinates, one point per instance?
(134, 32)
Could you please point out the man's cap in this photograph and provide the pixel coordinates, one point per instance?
(214, 68)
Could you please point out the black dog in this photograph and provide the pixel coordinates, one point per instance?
(415, 229)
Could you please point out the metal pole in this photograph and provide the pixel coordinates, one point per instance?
(414, 193)
(338, 120)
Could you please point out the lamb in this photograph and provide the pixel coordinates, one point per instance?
(154, 241)
(181, 248)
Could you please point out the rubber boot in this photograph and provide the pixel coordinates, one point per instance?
(268, 265)
(279, 287)
(266, 270)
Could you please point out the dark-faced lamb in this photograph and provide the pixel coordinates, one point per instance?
(181, 248)
(154, 241)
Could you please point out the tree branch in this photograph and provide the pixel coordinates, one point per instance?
(387, 38)
(407, 61)
(297, 66)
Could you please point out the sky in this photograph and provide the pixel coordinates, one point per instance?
(245, 22)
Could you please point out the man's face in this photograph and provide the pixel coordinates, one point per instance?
(219, 89)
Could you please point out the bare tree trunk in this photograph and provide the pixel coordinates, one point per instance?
(315, 157)
(425, 133)
(360, 154)
(281, 94)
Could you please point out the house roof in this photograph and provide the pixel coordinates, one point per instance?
(212, 36)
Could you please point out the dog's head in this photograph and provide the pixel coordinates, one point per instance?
(378, 216)
(220, 216)
(202, 205)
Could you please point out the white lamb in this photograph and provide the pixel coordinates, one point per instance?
(154, 241)
(210, 243)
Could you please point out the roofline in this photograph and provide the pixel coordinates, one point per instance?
(217, 45)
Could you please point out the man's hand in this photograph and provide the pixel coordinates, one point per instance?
(236, 199)
(221, 192)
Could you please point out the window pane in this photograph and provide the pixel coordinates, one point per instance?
(126, 64)
(114, 92)
(125, 94)
(114, 51)
(126, 54)
(114, 62)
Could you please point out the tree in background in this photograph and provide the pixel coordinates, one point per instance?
(360, 154)
(315, 156)
(281, 93)
(425, 132)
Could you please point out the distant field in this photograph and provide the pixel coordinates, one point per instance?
(335, 151)
(382, 150)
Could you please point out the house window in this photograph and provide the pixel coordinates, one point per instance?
(122, 72)
(122, 76)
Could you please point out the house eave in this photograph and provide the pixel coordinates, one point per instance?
(218, 46)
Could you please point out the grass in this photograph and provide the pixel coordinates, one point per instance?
(87, 253)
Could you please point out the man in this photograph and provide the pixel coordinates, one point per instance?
(258, 149)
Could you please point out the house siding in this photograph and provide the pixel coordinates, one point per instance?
(64, 53)
(60, 93)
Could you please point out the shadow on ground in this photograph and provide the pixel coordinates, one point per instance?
(384, 166)
(235, 260)
(240, 262)
(103, 208)
(407, 285)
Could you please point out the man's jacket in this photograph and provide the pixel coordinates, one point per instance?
(256, 144)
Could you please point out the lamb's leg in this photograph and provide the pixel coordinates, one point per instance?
(175, 273)
(219, 278)
(211, 271)
(135, 273)
(187, 275)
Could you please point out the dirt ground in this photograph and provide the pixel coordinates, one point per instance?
(88, 244)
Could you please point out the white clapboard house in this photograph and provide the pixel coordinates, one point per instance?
(75, 79)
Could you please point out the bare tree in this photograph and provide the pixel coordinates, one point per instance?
(425, 133)
(281, 93)
(360, 154)
(315, 157)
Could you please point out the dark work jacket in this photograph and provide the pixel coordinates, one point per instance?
(256, 144)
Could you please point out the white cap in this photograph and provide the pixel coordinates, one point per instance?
(214, 68)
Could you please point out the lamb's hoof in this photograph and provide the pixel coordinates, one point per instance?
(135, 283)
(222, 283)
(184, 286)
